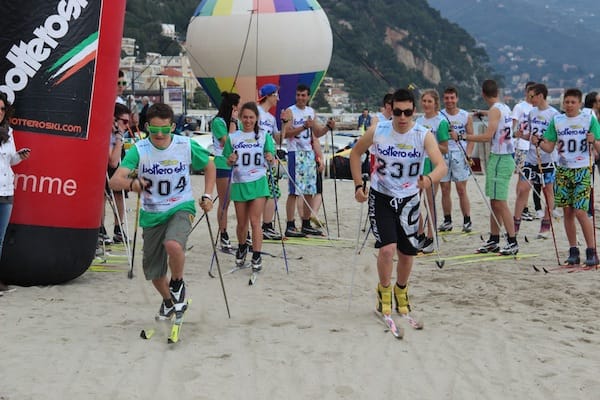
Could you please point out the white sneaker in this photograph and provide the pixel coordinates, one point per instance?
(557, 213)
(539, 214)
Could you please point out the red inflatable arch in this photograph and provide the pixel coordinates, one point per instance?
(59, 68)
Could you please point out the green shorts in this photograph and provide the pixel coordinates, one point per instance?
(499, 171)
(155, 260)
(573, 187)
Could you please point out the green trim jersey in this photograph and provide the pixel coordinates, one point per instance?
(540, 120)
(569, 134)
(502, 140)
(218, 127)
(251, 164)
(438, 125)
(398, 159)
(459, 125)
(167, 172)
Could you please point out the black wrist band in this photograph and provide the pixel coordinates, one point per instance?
(357, 187)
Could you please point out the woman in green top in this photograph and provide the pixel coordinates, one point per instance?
(433, 120)
(249, 150)
(224, 123)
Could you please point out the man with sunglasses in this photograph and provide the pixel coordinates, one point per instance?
(116, 152)
(399, 146)
(158, 167)
(538, 120)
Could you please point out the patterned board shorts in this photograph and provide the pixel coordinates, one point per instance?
(302, 170)
(458, 170)
(572, 188)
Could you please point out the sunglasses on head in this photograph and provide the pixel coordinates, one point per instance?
(122, 83)
(398, 112)
(155, 130)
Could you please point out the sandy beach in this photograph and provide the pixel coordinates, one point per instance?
(494, 328)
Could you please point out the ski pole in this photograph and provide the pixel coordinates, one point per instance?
(362, 206)
(216, 258)
(135, 231)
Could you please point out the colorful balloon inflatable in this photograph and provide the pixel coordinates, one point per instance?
(285, 42)
(59, 61)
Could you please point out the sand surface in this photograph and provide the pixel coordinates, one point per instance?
(494, 328)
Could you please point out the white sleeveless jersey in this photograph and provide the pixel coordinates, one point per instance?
(251, 161)
(458, 123)
(431, 124)
(571, 140)
(167, 170)
(381, 117)
(266, 122)
(502, 140)
(520, 113)
(303, 140)
(540, 120)
(398, 159)
(218, 147)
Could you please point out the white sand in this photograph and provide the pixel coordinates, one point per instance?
(494, 328)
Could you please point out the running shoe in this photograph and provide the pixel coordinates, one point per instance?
(510, 249)
(573, 258)
(468, 227)
(445, 227)
(165, 312)
(489, 247)
(293, 232)
(427, 246)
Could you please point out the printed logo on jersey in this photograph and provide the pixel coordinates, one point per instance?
(47, 66)
(166, 167)
(398, 151)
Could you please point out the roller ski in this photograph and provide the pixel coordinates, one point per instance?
(383, 311)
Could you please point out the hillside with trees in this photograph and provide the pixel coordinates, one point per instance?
(378, 45)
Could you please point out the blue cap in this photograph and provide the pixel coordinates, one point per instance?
(267, 90)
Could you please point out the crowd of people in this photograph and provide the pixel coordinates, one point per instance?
(551, 152)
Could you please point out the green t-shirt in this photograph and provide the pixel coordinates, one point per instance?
(443, 131)
(200, 158)
(219, 130)
(442, 135)
(552, 136)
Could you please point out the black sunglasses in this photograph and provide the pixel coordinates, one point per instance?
(398, 112)
(2, 108)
